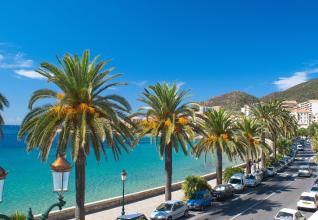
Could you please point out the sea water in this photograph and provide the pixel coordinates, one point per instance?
(29, 182)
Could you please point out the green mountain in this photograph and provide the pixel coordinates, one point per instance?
(233, 101)
(301, 92)
(236, 100)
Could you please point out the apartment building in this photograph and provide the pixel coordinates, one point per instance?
(290, 104)
(303, 117)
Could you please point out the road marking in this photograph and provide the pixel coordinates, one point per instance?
(256, 204)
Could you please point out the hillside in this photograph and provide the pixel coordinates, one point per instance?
(232, 101)
(300, 92)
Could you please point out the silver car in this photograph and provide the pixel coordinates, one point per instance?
(252, 181)
(170, 210)
(305, 170)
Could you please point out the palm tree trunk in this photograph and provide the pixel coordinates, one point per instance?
(80, 185)
(168, 169)
(219, 165)
(262, 152)
(274, 146)
(248, 166)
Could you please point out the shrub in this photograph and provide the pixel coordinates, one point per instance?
(18, 216)
(229, 171)
(193, 184)
(269, 161)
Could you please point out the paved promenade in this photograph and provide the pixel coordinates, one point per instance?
(145, 206)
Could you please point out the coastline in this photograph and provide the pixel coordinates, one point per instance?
(107, 204)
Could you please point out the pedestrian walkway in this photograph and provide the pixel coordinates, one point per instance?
(144, 206)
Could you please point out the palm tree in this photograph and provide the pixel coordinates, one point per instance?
(249, 137)
(218, 135)
(85, 117)
(169, 121)
(3, 103)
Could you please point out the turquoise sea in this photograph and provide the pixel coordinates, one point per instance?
(29, 183)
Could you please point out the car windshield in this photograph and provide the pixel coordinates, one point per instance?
(219, 188)
(164, 207)
(235, 181)
(270, 168)
(197, 196)
(315, 189)
(285, 216)
(250, 177)
(307, 198)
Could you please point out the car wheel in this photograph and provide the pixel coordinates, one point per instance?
(169, 218)
(202, 208)
(186, 213)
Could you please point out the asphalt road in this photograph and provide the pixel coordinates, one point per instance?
(264, 201)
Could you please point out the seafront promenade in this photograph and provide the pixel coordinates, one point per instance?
(145, 206)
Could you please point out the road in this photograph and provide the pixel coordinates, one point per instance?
(264, 201)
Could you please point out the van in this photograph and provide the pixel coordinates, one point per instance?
(238, 182)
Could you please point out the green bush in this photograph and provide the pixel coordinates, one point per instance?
(18, 216)
(229, 171)
(193, 184)
(269, 161)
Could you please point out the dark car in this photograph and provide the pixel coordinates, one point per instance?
(136, 216)
(223, 191)
(200, 200)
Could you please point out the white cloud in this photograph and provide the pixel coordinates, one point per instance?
(29, 74)
(284, 83)
(9, 61)
(180, 84)
(140, 83)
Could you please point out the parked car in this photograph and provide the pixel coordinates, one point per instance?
(170, 210)
(305, 170)
(259, 174)
(251, 180)
(135, 216)
(265, 173)
(200, 200)
(223, 191)
(283, 163)
(279, 167)
(308, 201)
(271, 171)
(314, 189)
(289, 214)
(300, 147)
(238, 182)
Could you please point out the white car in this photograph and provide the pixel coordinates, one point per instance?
(305, 170)
(238, 182)
(300, 147)
(271, 171)
(251, 180)
(289, 214)
(308, 200)
(170, 210)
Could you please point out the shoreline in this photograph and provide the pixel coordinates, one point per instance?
(106, 204)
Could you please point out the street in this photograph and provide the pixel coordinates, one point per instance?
(264, 201)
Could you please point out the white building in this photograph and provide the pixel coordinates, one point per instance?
(246, 110)
(204, 109)
(303, 117)
(311, 105)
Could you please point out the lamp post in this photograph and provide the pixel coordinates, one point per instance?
(61, 170)
(3, 175)
(123, 179)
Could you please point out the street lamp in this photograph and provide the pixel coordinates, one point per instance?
(123, 179)
(61, 170)
(3, 175)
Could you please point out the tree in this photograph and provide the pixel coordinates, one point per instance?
(302, 132)
(169, 121)
(283, 145)
(3, 103)
(249, 137)
(218, 133)
(312, 129)
(85, 117)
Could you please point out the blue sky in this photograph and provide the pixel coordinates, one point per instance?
(210, 47)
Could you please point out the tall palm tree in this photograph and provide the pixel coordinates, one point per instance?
(169, 121)
(218, 136)
(263, 113)
(249, 137)
(3, 103)
(85, 116)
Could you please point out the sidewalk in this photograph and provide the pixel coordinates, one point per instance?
(144, 206)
